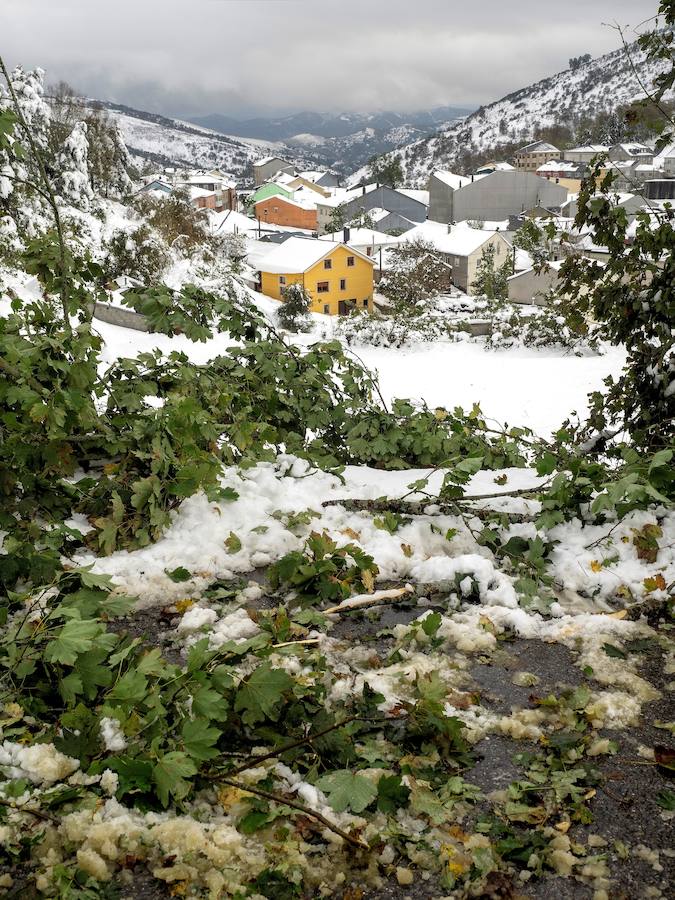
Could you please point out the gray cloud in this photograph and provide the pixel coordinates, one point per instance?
(249, 57)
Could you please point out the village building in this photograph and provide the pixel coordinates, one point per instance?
(338, 277)
(534, 285)
(264, 169)
(325, 179)
(366, 240)
(156, 188)
(533, 155)
(634, 152)
(270, 189)
(488, 167)
(390, 222)
(494, 196)
(288, 211)
(412, 205)
(461, 246)
(660, 189)
(584, 154)
(565, 172)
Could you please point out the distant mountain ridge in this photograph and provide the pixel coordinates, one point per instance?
(309, 140)
(600, 85)
(172, 142)
(328, 125)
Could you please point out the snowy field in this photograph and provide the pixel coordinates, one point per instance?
(532, 388)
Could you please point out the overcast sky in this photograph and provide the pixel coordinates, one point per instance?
(249, 57)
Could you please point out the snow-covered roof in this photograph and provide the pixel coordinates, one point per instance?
(297, 255)
(232, 221)
(420, 196)
(362, 237)
(538, 147)
(635, 149)
(456, 240)
(555, 265)
(301, 202)
(494, 167)
(282, 177)
(268, 159)
(452, 180)
(197, 192)
(558, 165)
(589, 148)
(312, 175)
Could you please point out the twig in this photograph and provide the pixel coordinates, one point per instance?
(277, 798)
(362, 600)
(38, 813)
(253, 761)
(296, 643)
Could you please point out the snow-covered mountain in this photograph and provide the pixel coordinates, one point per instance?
(173, 142)
(344, 141)
(600, 85)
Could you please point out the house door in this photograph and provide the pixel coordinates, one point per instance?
(346, 306)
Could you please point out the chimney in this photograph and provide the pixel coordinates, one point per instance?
(472, 179)
(363, 189)
(345, 234)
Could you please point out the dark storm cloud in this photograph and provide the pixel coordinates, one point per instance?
(245, 57)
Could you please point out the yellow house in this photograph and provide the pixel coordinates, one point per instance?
(337, 277)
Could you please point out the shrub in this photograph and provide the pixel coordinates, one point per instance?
(293, 314)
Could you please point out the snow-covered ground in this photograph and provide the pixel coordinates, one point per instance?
(533, 388)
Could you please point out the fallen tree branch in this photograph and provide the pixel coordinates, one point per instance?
(296, 643)
(418, 508)
(277, 798)
(363, 600)
(253, 761)
(38, 813)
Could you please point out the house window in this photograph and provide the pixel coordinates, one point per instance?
(322, 287)
(326, 309)
(343, 284)
(328, 263)
(499, 249)
(365, 304)
(457, 260)
(276, 209)
(350, 260)
(282, 280)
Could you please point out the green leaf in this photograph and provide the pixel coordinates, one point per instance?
(91, 579)
(259, 695)
(209, 704)
(613, 651)
(347, 790)
(131, 688)
(199, 739)
(169, 775)
(233, 543)
(431, 623)
(76, 636)
(392, 794)
(179, 574)
(666, 800)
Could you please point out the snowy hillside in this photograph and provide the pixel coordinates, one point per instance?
(597, 86)
(170, 141)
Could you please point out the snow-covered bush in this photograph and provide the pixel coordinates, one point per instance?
(73, 181)
(538, 326)
(180, 224)
(416, 272)
(293, 311)
(139, 254)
